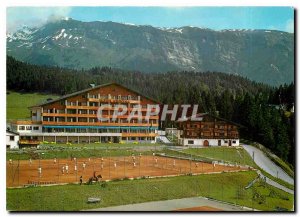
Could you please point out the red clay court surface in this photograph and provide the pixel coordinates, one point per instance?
(23, 172)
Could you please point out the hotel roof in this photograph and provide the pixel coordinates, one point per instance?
(89, 89)
(204, 114)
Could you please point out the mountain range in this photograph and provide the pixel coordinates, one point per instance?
(261, 55)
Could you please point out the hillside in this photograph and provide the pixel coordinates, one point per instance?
(17, 103)
(260, 55)
(171, 87)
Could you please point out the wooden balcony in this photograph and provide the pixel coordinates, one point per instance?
(82, 107)
(113, 100)
(98, 124)
(211, 137)
(68, 115)
(106, 108)
(94, 116)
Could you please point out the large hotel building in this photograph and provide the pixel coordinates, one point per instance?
(73, 118)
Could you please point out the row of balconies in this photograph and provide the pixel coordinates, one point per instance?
(210, 126)
(91, 109)
(97, 123)
(94, 119)
(211, 136)
(193, 133)
(122, 100)
(104, 114)
(107, 99)
(210, 130)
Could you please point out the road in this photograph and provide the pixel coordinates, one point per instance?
(275, 184)
(172, 205)
(267, 164)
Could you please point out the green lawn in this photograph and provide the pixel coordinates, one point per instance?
(76, 152)
(102, 145)
(17, 103)
(234, 155)
(226, 186)
(231, 155)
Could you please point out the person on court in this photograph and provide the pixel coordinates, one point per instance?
(67, 169)
(40, 171)
(80, 180)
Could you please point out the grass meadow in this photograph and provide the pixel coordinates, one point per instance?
(17, 103)
(227, 187)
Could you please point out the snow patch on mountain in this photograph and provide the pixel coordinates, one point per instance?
(179, 30)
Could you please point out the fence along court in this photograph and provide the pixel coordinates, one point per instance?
(58, 171)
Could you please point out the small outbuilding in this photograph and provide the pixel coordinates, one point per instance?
(12, 140)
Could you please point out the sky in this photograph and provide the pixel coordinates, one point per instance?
(217, 18)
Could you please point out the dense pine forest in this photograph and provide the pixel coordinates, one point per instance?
(264, 111)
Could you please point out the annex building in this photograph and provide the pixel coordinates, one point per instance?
(208, 131)
(73, 118)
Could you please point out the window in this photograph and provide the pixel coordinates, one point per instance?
(35, 128)
(225, 141)
(33, 114)
(21, 127)
(28, 128)
(190, 142)
(233, 141)
(119, 97)
(11, 138)
(129, 97)
(219, 142)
